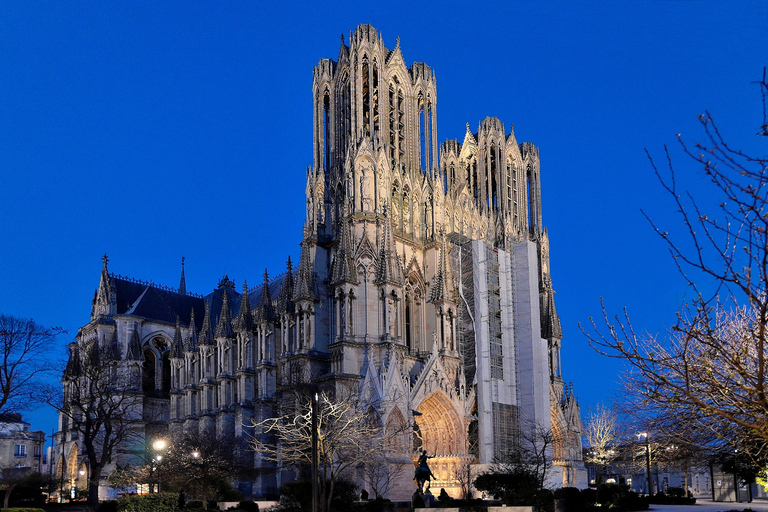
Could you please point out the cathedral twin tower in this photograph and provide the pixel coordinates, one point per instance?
(423, 286)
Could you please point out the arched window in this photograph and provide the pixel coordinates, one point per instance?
(401, 126)
(494, 186)
(166, 382)
(392, 126)
(148, 371)
(327, 130)
(430, 137)
(422, 136)
(375, 98)
(366, 96)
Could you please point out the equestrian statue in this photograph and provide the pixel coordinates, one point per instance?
(423, 473)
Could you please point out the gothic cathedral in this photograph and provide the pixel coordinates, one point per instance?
(424, 285)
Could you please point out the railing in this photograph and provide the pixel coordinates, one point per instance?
(152, 284)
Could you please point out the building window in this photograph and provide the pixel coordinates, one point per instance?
(21, 450)
(37, 450)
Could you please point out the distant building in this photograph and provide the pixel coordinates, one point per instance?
(21, 450)
(424, 285)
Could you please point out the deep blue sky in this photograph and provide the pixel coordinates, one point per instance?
(155, 130)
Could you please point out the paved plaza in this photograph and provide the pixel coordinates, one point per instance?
(711, 506)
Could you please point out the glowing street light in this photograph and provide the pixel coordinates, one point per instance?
(646, 437)
(158, 446)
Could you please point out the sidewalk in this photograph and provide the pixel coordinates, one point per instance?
(703, 505)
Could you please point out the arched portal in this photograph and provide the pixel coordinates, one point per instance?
(72, 465)
(440, 426)
(440, 430)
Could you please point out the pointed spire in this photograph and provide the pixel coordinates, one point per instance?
(389, 269)
(265, 312)
(224, 325)
(206, 331)
(285, 298)
(305, 286)
(440, 291)
(178, 347)
(550, 322)
(103, 300)
(183, 281)
(343, 265)
(73, 363)
(190, 344)
(134, 346)
(243, 320)
(112, 349)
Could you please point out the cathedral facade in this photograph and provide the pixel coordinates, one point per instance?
(423, 284)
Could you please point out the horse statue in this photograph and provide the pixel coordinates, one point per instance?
(423, 473)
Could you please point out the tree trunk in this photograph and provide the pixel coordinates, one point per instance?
(8, 490)
(93, 486)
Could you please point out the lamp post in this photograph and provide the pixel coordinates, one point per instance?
(159, 445)
(315, 469)
(646, 437)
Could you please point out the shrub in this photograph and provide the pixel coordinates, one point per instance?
(620, 498)
(298, 494)
(107, 506)
(194, 504)
(248, 506)
(160, 502)
(21, 509)
(673, 496)
(590, 496)
(573, 498)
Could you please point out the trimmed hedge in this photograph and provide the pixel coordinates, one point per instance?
(160, 502)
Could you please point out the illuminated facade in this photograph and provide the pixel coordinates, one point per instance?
(424, 283)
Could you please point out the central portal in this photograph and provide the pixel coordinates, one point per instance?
(440, 430)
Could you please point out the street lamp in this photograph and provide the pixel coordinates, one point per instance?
(158, 445)
(646, 437)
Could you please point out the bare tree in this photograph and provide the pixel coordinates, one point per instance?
(349, 435)
(602, 438)
(100, 403)
(466, 473)
(381, 471)
(712, 364)
(25, 347)
(532, 455)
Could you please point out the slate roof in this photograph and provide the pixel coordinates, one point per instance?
(163, 304)
(155, 303)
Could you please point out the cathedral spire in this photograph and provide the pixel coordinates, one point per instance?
(73, 363)
(243, 320)
(191, 341)
(224, 325)
(104, 300)
(440, 291)
(305, 286)
(285, 297)
(134, 346)
(265, 312)
(550, 321)
(178, 346)
(389, 269)
(343, 266)
(183, 281)
(206, 331)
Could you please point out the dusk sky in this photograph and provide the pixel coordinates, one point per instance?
(155, 130)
